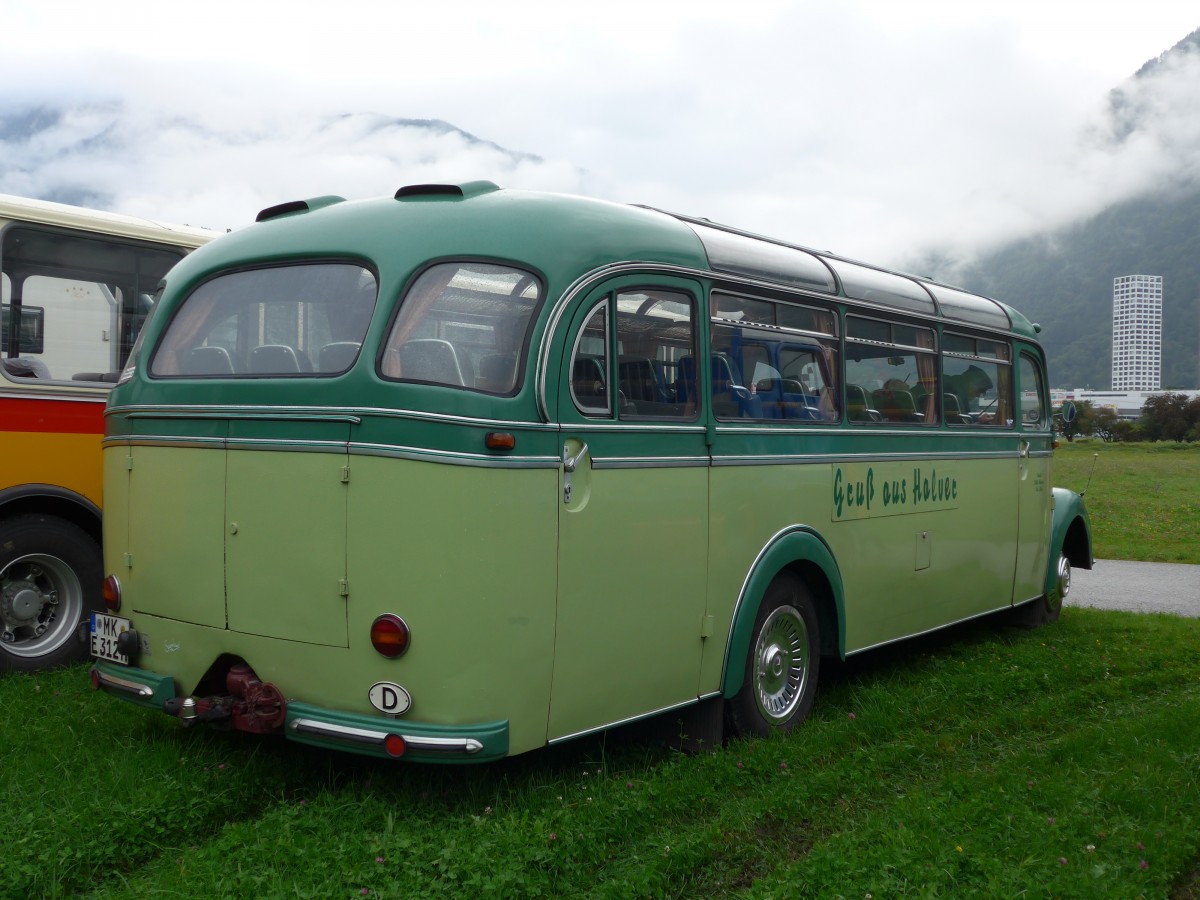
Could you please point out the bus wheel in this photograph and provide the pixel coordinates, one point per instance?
(782, 664)
(1047, 608)
(50, 577)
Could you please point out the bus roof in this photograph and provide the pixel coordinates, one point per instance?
(44, 212)
(567, 236)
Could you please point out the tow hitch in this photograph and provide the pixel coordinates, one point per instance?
(250, 705)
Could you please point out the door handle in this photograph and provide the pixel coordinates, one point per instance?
(570, 463)
(1024, 449)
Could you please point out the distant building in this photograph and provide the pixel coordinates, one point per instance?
(1126, 404)
(1137, 333)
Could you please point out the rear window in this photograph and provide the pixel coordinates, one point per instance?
(463, 325)
(286, 321)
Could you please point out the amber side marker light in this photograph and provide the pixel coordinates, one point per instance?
(389, 635)
(499, 440)
(112, 593)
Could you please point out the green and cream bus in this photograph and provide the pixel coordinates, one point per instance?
(463, 472)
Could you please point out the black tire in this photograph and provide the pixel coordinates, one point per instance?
(51, 578)
(1046, 609)
(782, 662)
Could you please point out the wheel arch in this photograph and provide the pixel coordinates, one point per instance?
(1070, 534)
(802, 551)
(51, 500)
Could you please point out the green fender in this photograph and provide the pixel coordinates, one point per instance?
(796, 544)
(1070, 533)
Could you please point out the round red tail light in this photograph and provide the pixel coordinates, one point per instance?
(395, 745)
(389, 635)
(112, 593)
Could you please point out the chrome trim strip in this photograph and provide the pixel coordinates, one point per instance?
(764, 459)
(339, 732)
(371, 737)
(241, 416)
(123, 685)
(98, 395)
(649, 462)
(633, 426)
(250, 412)
(455, 458)
(161, 440)
(631, 719)
(446, 745)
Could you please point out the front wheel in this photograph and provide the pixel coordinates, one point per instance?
(782, 664)
(50, 578)
(1046, 609)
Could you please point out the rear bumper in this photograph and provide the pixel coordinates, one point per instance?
(369, 735)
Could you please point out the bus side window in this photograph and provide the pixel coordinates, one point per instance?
(976, 381)
(589, 364)
(656, 353)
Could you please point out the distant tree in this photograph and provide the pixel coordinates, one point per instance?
(1124, 430)
(1104, 423)
(1167, 417)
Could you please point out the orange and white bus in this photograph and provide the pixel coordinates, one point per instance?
(77, 287)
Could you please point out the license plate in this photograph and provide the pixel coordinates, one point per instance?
(104, 637)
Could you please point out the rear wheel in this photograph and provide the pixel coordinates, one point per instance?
(782, 663)
(50, 578)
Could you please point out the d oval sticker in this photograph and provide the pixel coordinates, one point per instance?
(390, 699)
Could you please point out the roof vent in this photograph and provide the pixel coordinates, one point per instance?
(452, 191)
(297, 206)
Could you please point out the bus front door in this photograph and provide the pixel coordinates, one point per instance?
(633, 516)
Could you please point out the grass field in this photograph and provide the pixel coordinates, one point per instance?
(1144, 499)
(989, 761)
(984, 761)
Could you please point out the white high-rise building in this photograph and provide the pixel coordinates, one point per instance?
(1137, 333)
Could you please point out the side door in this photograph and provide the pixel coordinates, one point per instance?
(633, 505)
(1033, 480)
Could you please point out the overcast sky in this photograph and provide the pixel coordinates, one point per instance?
(875, 128)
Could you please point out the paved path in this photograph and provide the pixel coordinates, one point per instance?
(1137, 587)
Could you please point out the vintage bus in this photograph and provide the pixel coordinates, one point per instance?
(463, 472)
(76, 287)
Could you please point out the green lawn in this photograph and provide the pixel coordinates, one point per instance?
(987, 761)
(1144, 499)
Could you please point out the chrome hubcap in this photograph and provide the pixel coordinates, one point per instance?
(780, 664)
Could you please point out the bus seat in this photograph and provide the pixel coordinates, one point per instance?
(637, 379)
(497, 372)
(337, 356)
(274, 359)
(954, 415)
(207, 361)
(685, 385)
(857, 407)
(430, 359)
(26, 367)
(896, 405)
(587, 381)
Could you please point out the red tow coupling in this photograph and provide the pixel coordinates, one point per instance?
(250, 704)
(262, 709)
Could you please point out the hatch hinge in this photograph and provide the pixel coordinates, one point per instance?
(129, 462)
(706, 627)
(343, 587)
(127, 559)
(345, 474)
